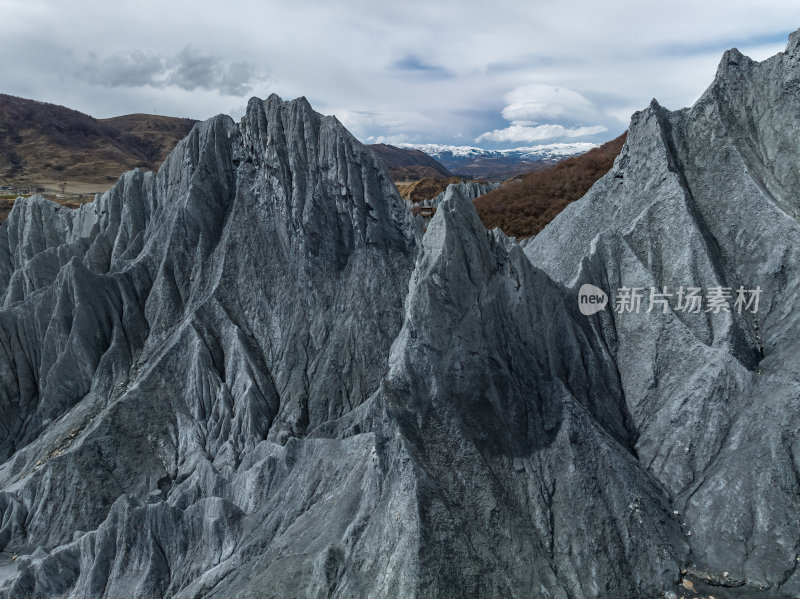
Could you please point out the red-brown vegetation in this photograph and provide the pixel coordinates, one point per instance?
(524, 205)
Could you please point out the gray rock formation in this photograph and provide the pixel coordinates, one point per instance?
(251, 375)
(468, 189)
(708, 196)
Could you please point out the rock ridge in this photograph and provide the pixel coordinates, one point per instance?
(251, 374)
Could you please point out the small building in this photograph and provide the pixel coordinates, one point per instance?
(423, 211)
(428, 211)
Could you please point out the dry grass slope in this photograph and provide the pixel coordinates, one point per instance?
(424, 189)
(409, 165)
(45, 145)
(427, 188)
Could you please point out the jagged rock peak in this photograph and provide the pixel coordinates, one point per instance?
(793, 46)
(706, 197)
(244, 376)
(328, 178)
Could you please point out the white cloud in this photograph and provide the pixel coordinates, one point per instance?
(532, 109)
(392, 140)
(539, 102)
(517, 134)
(376, 127)
(427, 82)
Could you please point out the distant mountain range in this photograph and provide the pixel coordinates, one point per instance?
(498, 165)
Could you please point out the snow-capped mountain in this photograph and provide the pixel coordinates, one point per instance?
(499, 164)
(557, 150)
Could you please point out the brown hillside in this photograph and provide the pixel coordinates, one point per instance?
(424, 189)
(524, 205)
(5, 207)
(409, 165)
(427, 188)
(159, 134)
(45, 145)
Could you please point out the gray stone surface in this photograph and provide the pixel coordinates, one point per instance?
(469, 189)
(251, 375)
(708, 196)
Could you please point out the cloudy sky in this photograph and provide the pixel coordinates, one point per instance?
(493, 73)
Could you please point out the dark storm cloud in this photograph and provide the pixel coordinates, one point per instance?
(190, 69)
(193, 69)
(130, 69)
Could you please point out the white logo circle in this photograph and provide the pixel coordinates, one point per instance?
(591, 299)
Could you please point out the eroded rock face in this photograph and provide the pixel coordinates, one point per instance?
(251, 375)
(188, 327)
(708, 196)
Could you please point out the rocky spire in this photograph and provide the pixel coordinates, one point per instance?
(249, 374)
